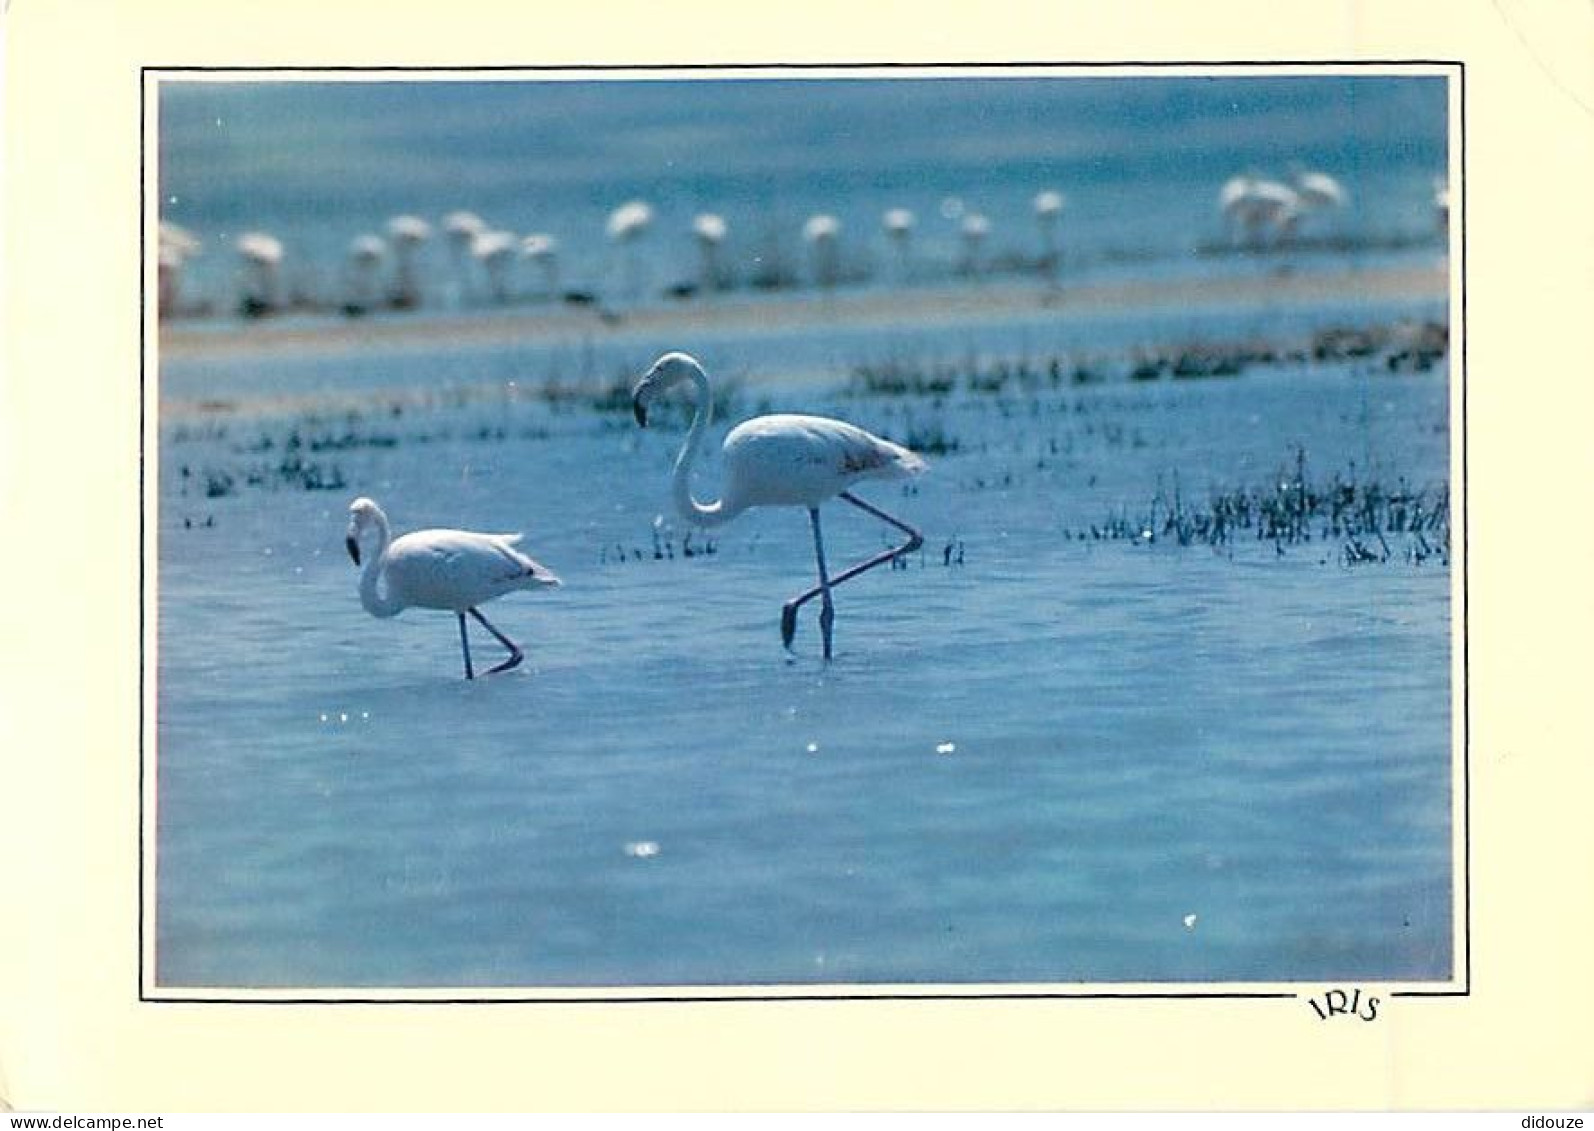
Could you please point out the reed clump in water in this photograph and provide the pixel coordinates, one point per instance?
(1361, 514)
(1397, 347)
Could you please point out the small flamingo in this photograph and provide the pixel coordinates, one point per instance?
(783, 461)
(710, 230)
(823, 232)
(1048, 205)
(898, 223)
(441, 569)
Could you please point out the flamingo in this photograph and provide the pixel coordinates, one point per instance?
(626, 225)
(365, 258)
(898, 223)
(710, 229)
(1252, 204)
(1048, 205)
(975, 228)
(783, 461)
(822, 231)
(441, 569)
(1317, 189)
(262, 256)
(462, 228)
(407, 233)
(543, 250)
(176, 246)
(495, 250)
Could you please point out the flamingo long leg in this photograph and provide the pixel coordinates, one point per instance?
(515, 654)
(788, 614)
(464, 644)
(827, 615)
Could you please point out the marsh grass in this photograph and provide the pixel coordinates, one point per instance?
(1371, 520)
(1397, 347)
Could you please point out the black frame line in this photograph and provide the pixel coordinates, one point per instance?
(1458, 69)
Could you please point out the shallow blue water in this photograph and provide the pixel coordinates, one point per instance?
(1032, 764)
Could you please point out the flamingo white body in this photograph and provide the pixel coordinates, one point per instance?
(791, 460)
(1253, 204)
(1048, 205)
(262, 256)
(1319, 190)
(408, 233)
(177, 245)
(782, 460)
(461, 229)
(495, 250)
(543, 250)
(451, 570)
(710, 230)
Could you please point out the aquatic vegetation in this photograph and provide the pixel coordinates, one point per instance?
(1400, 347)
(1294, 510)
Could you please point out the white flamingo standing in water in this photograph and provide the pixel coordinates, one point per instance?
(495, 251)
(627, 225)
(462, 228)
(365, 260)
(543, 250)
(177, 245)
(975, 228)
(1048, 205)
(823, 233)
(262, 256)
(1252, 206)
(710, 230)
(783, 461)
(454, 570)
(407, 233)
(898, 223)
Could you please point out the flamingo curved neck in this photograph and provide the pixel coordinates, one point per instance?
(704, 514)
(374, 601)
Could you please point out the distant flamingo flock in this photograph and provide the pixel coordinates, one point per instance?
(1258, 213)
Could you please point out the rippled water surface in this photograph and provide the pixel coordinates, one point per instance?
(1038, 756)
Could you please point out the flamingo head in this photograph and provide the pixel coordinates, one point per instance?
(665, 373)
(363, 513)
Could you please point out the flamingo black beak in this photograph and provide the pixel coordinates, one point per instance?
(354, 548)
(641, 411)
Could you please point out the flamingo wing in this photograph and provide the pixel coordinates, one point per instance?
(795, 460)
(457, 569)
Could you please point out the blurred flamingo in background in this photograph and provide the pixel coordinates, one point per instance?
(626, 226)
(543, 251)
(782, 460)
(461, 229)
(710, 230)
(365, 261)
(1048, 206)
(822, 233)
(1256, 208)
(495, 251)
(898, 223)
(262, 279)
(1316, 191)
(407, 234)
(175, 247)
